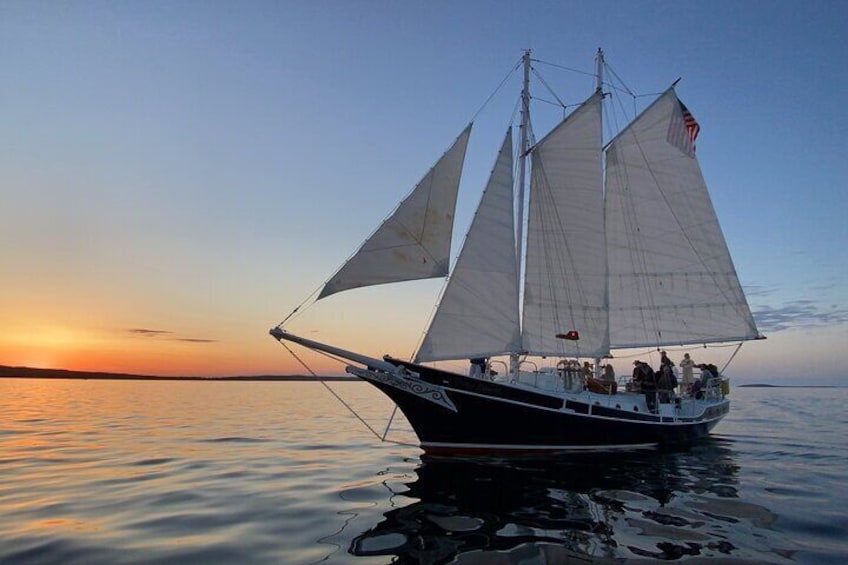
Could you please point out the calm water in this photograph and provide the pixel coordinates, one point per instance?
(187, 472)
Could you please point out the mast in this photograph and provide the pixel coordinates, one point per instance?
(599, 69)
(599, 78)
(524, 148)
(524, 145)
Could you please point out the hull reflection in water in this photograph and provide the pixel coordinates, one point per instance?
(662, 505)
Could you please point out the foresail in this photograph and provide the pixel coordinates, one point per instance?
(565, 272)
(671, 278)
(478, 313)
(414, 242)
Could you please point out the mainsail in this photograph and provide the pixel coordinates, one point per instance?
(478, 313)
(671, 278)
(565, 280)
(414, 242)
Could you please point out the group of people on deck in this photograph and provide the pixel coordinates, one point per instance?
(659, 386)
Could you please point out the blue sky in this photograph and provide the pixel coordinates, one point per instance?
(198, 168)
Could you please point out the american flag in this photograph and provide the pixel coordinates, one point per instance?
(683, 130)
(691, 125)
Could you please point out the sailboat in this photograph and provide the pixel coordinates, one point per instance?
(619, 247)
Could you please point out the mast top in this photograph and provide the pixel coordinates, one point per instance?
(599, 69)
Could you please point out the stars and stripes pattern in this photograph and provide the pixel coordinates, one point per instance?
(683, 129)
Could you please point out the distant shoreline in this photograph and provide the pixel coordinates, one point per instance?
(763, 385)
(7, 372)
(32, 373)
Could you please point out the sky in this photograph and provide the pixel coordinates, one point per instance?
(176, 177)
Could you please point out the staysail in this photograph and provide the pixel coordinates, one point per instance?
(478, 313)
(671, 278)
(414, 242)
(565, 272)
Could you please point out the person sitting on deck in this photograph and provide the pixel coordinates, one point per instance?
(708, 372)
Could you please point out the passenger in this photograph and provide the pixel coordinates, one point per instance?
(695, 390)
(609, 373)
(478, 367)
(666, 380)
(647, 382)
(707, 373)
(686, 367)
(636, 377)
(665, 362)
(587, 372)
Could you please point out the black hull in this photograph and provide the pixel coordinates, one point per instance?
(454, 413)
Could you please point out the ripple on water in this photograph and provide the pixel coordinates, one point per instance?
(121, 472)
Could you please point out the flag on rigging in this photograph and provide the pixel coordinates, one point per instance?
(691, 125)
(683, 129)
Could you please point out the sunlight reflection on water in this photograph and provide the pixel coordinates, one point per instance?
(139, 471)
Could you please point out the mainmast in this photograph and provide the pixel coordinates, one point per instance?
(599, 69)
(524, 148)
(524, 145)
(599, 77)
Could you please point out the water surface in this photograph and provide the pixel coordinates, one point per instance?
(280, 472)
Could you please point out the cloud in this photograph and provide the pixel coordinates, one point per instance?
(800, 314)
(169, 335)
(148, 333)
(758, 291)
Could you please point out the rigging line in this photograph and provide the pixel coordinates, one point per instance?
(321, 380)
(558, 104)
(652, 94)
(497, 89)
(299, 306)
(611, 121)
(561, 67)
(550, 90)
(618, 78)
(738, 347)
(624, 87)
(389, 424)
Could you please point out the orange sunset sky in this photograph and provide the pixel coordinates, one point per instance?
(175, 179)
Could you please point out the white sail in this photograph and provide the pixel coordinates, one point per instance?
(565, 272)
(671, 278)
(414, 242)
(478, 313)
